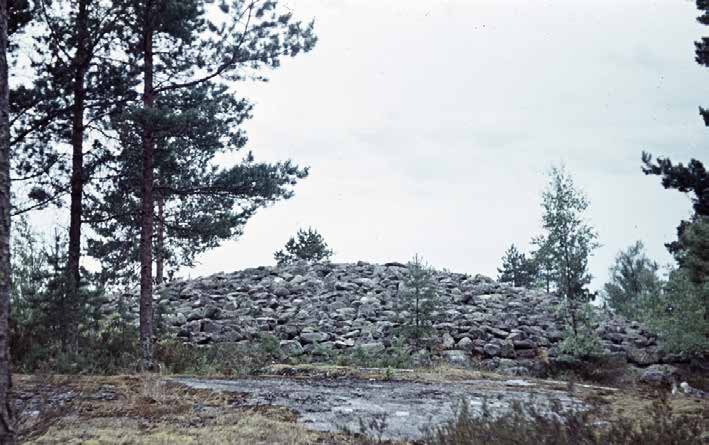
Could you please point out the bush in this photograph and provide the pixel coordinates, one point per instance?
(419, 299)
(679, 316)
(583, 341)
(309, 246)
(527, 424)
(217, 359)
(397, 356)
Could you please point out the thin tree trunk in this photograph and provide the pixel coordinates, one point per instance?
(160, 245)
(146, 233)
(73, 277)
(7, 418)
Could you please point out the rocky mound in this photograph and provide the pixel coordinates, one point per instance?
(344, 306)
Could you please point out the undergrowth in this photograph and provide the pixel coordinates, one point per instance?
(527, 424)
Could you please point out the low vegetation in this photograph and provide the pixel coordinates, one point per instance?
(527, 425)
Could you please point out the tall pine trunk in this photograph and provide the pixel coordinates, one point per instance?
(160, 242)
(7, 421)
(146, 233)
(73, 277)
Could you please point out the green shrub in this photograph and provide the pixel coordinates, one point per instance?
(217, 359)
(678, 317)
(308, 245)
(582, 342)
(419, 298)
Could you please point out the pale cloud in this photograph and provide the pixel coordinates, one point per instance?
(429, 125)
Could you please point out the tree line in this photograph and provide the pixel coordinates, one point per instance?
(128, 107)
(675, 307)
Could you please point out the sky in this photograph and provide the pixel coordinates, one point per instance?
(429, 127)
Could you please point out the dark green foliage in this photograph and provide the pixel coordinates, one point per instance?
(41, 314)
(581, 342)
(679, 315)
(634, 282)
(43, 112)
(529, 425)
(692, 178)
(397, 356)
(199, 205)
(695, 257)
(307, 245)
(218, 359)
(701, 48)
(419, 298)
(517, 269)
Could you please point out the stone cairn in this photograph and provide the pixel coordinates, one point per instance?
(345, 306)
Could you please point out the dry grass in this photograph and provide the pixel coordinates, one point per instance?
(238, 429)
(145, 409)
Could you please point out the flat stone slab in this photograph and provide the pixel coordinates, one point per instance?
(398, 410)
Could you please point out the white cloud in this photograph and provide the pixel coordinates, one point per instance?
(428, 126)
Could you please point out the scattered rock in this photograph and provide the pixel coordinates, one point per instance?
(345, 306)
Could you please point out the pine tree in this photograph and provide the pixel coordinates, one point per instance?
(634, 282)
(692, 178)
(80, 82)
(701, 48)
(419, 298)
(178, 47)
(517, 269)
(695, 239)
(690, 248)
(307, 245)
(197, 205)
(7, 420)
(569, 241)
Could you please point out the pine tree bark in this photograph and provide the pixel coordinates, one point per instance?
(73, 275)
(160, 242)
(7, 419)
(146, 233)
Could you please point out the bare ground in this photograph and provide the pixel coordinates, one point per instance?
(290, 405)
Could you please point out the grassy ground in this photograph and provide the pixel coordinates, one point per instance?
(147, 409)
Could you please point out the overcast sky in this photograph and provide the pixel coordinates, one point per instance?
(429, 125)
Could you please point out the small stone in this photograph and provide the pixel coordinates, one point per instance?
(281, 291)
(466, 344)
(642, 357)
(343, 344)
(507, 349)
(212, 312)
(456, 357)
(447, 341)
(492, 349)
(659, 375)
(211, 327)
(313, 337)
(372, 348)
(291, 347)
(499, 333)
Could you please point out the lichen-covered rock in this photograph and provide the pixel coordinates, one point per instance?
(456, 357)
(659, 375)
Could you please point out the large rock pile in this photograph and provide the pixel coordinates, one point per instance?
(343, 306)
